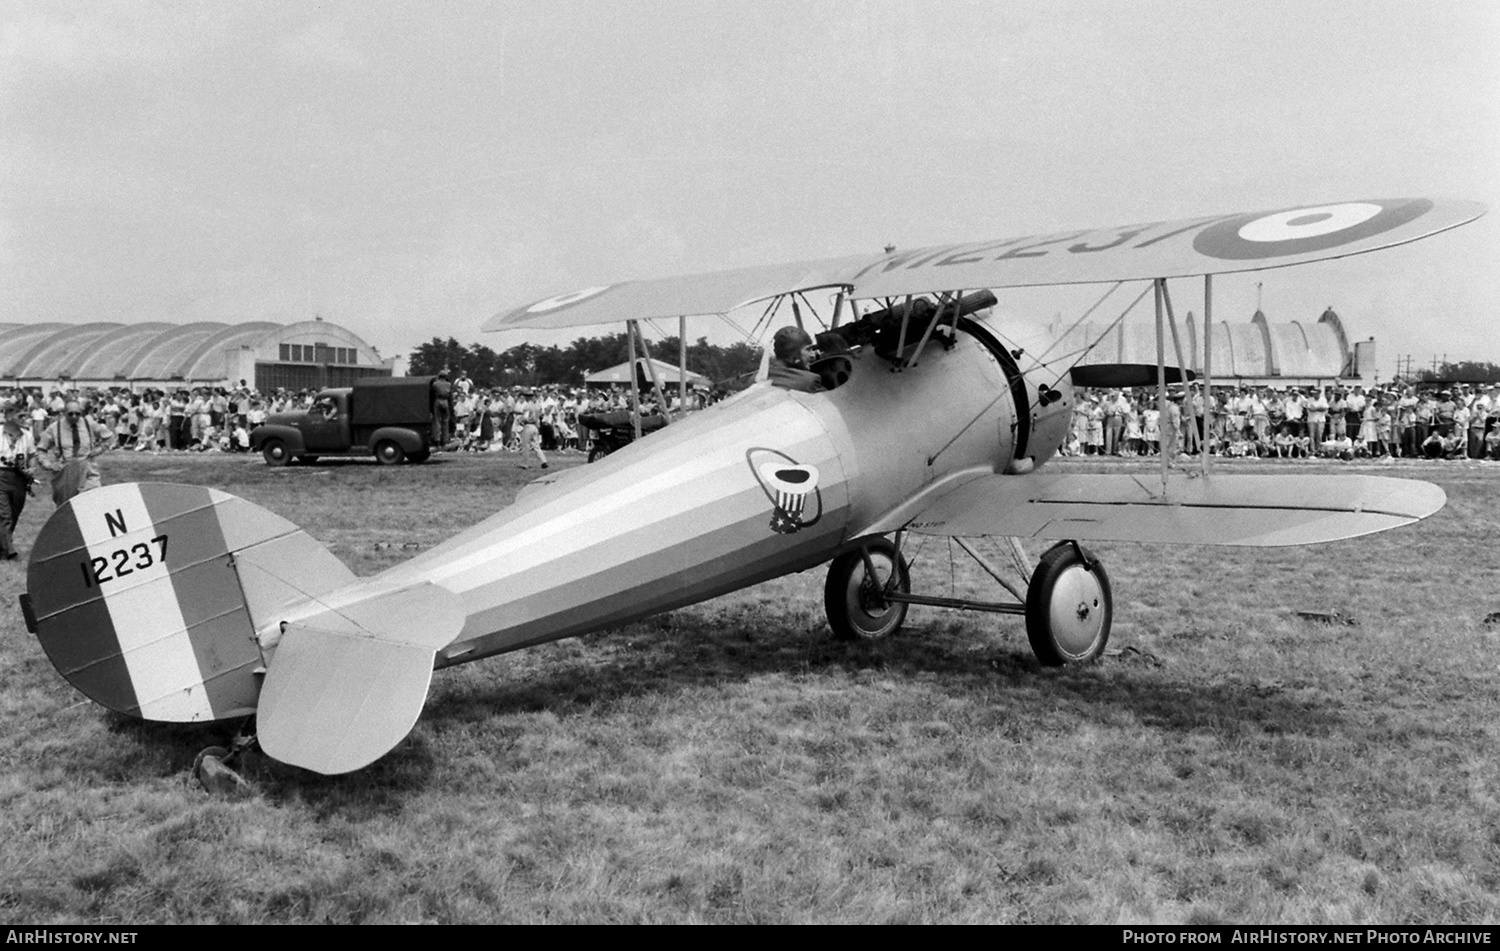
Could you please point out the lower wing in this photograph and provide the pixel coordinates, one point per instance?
(1249, 510)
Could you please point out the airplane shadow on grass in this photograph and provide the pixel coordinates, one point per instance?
(676, 653)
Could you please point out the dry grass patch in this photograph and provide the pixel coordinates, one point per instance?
(729, 762)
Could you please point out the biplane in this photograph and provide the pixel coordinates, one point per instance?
(183, 603)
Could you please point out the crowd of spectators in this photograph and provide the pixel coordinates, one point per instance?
(220, 419)
(1460, 421)
(499, 418)
(1402, 421)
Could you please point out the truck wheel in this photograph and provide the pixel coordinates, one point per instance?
(388, 453)
(275, 454)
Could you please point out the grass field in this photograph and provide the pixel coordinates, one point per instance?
(1227, 762)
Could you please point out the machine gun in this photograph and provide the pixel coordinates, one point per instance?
(883, 328)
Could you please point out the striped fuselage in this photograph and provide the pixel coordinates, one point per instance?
(686, 514)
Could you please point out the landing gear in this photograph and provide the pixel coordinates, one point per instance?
(856, 596)
(213, 769)
(1069, 606)
(1067, 600)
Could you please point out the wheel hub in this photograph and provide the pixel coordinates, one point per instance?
(1076, 619)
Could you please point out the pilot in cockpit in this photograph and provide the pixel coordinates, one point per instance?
(791, 351)
(800, 363)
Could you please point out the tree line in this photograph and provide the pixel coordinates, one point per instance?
(529, 365)
(1464, 371)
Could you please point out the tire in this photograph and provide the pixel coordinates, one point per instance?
(856, 611)
(389, 453)
(275, 453)
(597, 453)
(1069, 607)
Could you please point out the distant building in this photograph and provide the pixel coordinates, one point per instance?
(309, 354)
(666, 374)
(1297, 353)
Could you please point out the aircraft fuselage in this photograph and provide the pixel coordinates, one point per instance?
(687, 514)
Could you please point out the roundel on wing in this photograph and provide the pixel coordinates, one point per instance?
(1304, 230)
(780, 477)
(563, 300)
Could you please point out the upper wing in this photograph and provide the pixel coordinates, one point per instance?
(1250, 510)
(1239, 242)
(717, 292)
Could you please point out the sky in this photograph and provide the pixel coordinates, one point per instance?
(409, 169)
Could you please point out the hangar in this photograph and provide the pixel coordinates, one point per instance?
(667, 373)
(310, 353)
(1262, 353)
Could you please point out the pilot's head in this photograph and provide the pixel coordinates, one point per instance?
(792, 346)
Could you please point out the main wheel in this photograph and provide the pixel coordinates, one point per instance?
(1068, 607)
(389, 453)
(855, 602)
(598, 452)
(275, 453)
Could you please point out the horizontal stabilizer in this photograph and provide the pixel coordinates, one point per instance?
(348, 682)
(1122, 375)
(1249, 510)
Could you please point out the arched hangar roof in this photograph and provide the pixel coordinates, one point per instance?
(1256, 350)
(156, 350)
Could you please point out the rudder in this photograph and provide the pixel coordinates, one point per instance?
(149, 597)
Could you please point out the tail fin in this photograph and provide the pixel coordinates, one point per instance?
(182, 603)
(149, 597)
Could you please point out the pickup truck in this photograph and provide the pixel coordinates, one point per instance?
(390, 417)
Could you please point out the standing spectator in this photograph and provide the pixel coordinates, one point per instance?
(1479, 411)
(1151, 428)
(442, 408)
(1095, 445)
(1317, 417)
(1406, 423)
(1114, 421)
(1443, 414)
(68, 449)
(1354, 411)
(531, 439)
(1426, 415)
(1338, 415)
(1369, 427)
(17, 460)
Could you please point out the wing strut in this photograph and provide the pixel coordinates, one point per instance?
(1208, 379)
(1187, 430)
(682, 363)
(635, 389)
(1161, 386)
